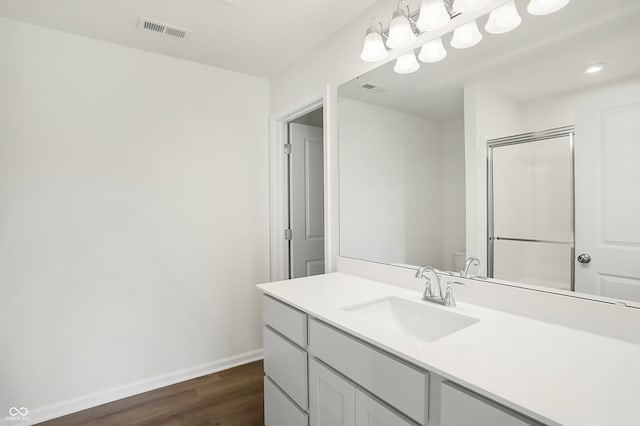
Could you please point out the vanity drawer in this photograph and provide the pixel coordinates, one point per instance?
(286, 365)
(288, 321)
(403, 387)
(460, 407)
(279, 410)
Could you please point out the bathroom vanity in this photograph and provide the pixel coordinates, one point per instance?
(517, 157)
(343, 350)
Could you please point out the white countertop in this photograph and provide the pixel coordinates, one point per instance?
(554, 374)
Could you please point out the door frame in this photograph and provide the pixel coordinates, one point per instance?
(278, 182)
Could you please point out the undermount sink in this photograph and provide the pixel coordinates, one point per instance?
(415, 319)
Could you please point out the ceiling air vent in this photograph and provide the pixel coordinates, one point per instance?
(146, 24)
(373, 88)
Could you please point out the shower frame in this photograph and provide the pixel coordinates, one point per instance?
(554, 133)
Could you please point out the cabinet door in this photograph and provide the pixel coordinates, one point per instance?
(332, 399)
(463, 408)
(370, 412)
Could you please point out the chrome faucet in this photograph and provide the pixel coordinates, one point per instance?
(472, 260)
(428, 291)
(429, 295)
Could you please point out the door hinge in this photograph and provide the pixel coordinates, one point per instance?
(287, 148)
(288, 234)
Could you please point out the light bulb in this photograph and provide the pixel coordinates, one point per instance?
(400, 32)
(469, 6)
(433, 51)
(407, 63)
(373, 49)
(503, 19)
(546, 7)
(433, 15)
(467, 35)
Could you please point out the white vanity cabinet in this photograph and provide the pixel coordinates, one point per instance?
(317, 375)
(460, 407)
(285, 364)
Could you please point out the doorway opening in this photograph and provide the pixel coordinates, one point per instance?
(304, 165)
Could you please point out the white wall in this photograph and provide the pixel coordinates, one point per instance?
(401, 186)
(390, 185)
(133, 219)
(548, 113)
(453, 195)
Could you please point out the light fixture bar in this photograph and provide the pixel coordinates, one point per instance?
(413, 17)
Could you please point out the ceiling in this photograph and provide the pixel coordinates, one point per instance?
(259, 37)
(544, 56)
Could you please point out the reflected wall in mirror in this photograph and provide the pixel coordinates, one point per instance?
(402, 181)
(513, 151)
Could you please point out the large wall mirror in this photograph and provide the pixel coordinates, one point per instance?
(523, 151)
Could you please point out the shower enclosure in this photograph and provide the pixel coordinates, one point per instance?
(531, 208)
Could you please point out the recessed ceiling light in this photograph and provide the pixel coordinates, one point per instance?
(594, 68)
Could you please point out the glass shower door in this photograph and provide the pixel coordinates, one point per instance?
(531, 209)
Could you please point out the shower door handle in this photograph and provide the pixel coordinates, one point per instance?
(584, 258)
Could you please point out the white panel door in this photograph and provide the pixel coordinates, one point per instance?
(331, 398)
(307, 200)
(607, 160)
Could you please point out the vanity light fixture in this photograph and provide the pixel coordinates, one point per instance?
(401, 33)
(503, 19)
(467, 35)
(432, 51)
(594, 68)
(374, 49)
(546, 7)
(406, 63)
(469, 6)
(433, 15)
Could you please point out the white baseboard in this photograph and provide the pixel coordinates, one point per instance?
(92, 400)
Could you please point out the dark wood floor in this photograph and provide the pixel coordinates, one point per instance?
(228, 398)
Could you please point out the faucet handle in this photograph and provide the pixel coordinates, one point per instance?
(449, 300)
(428, 291)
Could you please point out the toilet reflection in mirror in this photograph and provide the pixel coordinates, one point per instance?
(527, 161)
